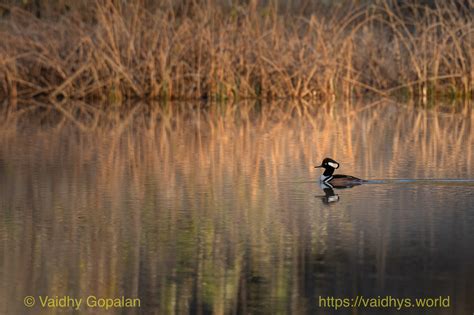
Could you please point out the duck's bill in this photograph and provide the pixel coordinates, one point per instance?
(318, 166)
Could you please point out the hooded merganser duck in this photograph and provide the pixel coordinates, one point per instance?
(336, 180)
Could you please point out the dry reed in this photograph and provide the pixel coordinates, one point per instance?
(102, 53)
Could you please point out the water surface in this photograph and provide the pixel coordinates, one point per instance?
(218, 210)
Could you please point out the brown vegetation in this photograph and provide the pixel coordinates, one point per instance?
(103, 53)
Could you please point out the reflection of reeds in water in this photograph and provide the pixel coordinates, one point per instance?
(187, 213)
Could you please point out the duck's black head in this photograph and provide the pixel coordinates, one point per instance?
(329, 166)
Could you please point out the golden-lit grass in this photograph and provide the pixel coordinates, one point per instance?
(109, 53)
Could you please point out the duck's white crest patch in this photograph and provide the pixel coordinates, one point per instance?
(333, 165)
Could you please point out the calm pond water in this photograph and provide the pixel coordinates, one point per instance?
(219, 211)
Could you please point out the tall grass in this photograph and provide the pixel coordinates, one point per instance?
(203, 49)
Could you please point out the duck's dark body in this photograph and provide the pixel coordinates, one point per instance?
(345, 181)
(336, 180)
